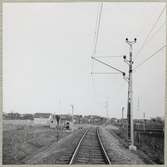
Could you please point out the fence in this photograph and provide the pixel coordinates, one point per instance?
(151, 141)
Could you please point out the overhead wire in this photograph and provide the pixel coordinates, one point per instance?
(148, 58)
(148, 35)
(98, 28)
(98, 21)
(96, 41)
(158, 29)
(96, 34)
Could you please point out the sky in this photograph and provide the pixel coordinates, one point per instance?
(47, 65)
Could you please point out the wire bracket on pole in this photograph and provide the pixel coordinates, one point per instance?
(108, 65)
(126, 78)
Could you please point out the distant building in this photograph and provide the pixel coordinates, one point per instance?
(27, 116)
(11, 116)
(54, 120)
(77, 119)
(42, 118)
(113, 120)
(63, 121)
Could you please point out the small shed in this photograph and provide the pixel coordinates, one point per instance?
(54, 120)
(64, 121)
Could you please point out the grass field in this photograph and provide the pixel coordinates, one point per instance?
(22, 138)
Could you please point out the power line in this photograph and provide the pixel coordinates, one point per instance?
(149, 57)
(96, 40)
(159, 28)
(153, 26)
(98, 27)
(96, 34)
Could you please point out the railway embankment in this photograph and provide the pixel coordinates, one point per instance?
(58, 152)
(116, 151)
(61, 152)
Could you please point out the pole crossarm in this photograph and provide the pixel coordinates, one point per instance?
(105, 73)
(108, 65)
(108, 56)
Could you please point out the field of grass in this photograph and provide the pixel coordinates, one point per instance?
(22, 138)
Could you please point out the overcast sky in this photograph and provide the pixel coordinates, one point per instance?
(47, 49)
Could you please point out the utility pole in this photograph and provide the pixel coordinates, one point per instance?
(106, 108)
(138, 105)
(144, 115)
(72, 107)
(122, 121)
(130, 91)
(130, 96)
(123, 113)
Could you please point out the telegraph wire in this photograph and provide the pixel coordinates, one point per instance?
(158, 29)
(148, 58)
(96, 34)
(98, 28)
(148, 35)
(96, 40)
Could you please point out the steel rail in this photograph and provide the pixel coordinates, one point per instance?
(77, 148)
(102, 147)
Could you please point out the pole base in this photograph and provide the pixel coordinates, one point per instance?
(132, 148)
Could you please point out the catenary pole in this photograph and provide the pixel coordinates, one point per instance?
(72, 107)
(130, 96)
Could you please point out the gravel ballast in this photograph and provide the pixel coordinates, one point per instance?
(117, 153)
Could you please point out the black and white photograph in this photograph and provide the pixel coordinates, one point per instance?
(83, 83)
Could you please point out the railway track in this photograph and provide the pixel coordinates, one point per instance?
(90, 149)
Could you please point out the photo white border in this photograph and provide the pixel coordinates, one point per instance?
(1, 80)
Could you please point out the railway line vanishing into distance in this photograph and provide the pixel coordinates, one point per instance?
(90, 149)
